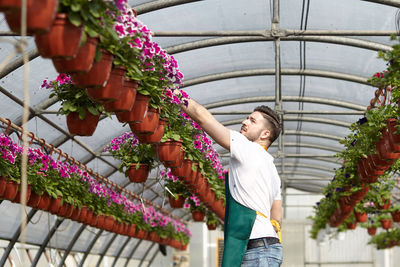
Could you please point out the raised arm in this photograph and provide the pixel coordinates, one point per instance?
(207, 121)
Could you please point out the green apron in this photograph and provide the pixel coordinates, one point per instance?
(238, 224)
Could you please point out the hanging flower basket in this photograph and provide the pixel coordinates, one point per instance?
(62, 40)
(3, 185)
(149, 123)
(372, 230)
(198, 216)
(82, 62)
(17, 198)
(184, 170)
(76, 211)
(85, 127)
(177, 163)
(39, 17)
(155, 137)
(44, 202)
(10, 5)
(99, 73)
(361, 216)
(108, 223)
(55, 205)
(112, 90)
(138, 111)
(386, 223)
(11, 190)
(138, 175)
(65, 210)
(169, 150)
(396, 216)
(211, 227)
(383, 148)
(34, 200)
(126, 98)
(176, 203)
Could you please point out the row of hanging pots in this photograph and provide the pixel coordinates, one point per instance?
(9, 190)
(198, 185)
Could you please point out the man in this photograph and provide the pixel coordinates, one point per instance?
(253, 195)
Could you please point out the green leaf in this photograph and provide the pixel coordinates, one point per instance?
(75, 18)
(82, 113)
(75, 7)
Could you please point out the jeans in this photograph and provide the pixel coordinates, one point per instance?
(266, 256)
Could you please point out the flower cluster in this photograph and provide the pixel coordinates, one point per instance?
(43, 164)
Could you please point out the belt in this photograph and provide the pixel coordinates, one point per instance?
(259, 242)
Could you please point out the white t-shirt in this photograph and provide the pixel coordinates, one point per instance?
(254, 181)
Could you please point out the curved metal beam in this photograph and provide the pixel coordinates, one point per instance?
(160, 4)
(124, 245)
(32, 54)
(303, 165)
(105, 250)
(153, 257)
(385, 2)
(287, 71)
(15, 237)
(71, 244)
(147, 253)
(313, 134)
(89, 248)
(296, 118)
(244, 39)
(45, 241)
(317, 100)
(309, 174)
(293, 144)
(132, 252)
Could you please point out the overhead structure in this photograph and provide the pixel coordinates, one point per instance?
(309, 63)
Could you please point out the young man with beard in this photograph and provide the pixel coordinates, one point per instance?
(253, 195)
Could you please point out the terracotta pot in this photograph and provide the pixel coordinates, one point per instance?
(82, 214)
(62, 40)
(211, 227)
(361, 172)
(386, 223)
(176, 203)
(3, 185)
(392, 129)
(108, 223)
(17, 198)
(94, 220)
(154, 237)
(9, 5)
(385, 206)
(149, 123)
(98, 75)
(82, 62)
(190, 180)
(372, 169)
(372, 230)
(55, 205)
(65, 210)
(34, 200)
(112, 90)
(383, 148)
(175, 164)
(138, 175)
(116, 226)
(89, 215)
(361, 216)
(371, 177)
(169, 150)
(126, 98)
(44, 202)
(11, 190)
(184, 170)
(396, 216)
(76, 211)
(100, 221)
(154, 138)
(379, 163)
(138, 111)
(132, 230)
(40, 16)
(85, 127)
(198, 216)
(141, 234)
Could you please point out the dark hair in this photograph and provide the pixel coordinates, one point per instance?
(273, 119)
